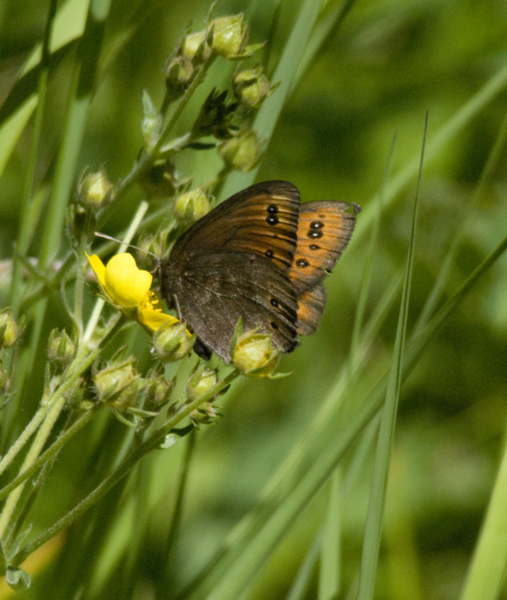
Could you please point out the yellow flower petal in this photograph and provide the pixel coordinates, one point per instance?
(154, 318)
(98, 268)
(126, 284)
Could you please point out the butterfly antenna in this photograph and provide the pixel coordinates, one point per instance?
(112, 239)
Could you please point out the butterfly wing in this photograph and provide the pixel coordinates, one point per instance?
(324, 231)
(220, 287)
(233, 263)
(261, 219)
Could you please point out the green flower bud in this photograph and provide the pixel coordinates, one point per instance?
(241, 153)
(195, 47)
(94, 189)
(118, 385)
(160, 180)
(200, 381)
(254, 354)
(9, 331)
(149, 244)
(179, 73)
(229, 36)
(171, 342)
(251, 86)
(191, 206)
(158, 393)
(216, 117)
(17, 579)
(61, 348)
(204, 415)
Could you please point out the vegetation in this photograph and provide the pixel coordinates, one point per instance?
(131, 469)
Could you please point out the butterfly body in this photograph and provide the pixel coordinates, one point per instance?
(259, 256)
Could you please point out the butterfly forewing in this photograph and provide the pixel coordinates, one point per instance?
(324, 230)
(262, 219)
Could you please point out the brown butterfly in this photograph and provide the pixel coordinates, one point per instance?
(260, 256)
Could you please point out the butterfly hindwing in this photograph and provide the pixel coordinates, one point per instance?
(211, 298)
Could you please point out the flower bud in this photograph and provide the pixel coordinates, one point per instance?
(94, 189)
(195, 47)
(251, 87)
(216, 117)
(204, 415)
(158, 393)
(171, 342)
(118, 384)
(17, 579)
(229, 35)
(61, 348)
(191, 206)
(179, 73)
(254, 354)
(160, 180)
(9, 331)
(241, 153)
(200, 381)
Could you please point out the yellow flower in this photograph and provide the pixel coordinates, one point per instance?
(128, 288)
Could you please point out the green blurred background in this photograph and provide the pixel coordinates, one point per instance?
(375, 77)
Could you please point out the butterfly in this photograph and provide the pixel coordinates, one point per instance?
(260, 256)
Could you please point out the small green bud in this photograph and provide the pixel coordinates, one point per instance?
(118, 385)
(251, 87)
(254, 354)
(171, 342)
(216, 117)
(191, 206)
(17, 579)
(178, 73)
(61, 348)
(9, 331)
(158, 393)
(200, 381)
(230, 35)
(241, 153)
(195, 47)
(94, 189)
(149, 244)
(160, 180)
(204, 415)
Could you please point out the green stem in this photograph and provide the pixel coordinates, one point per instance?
(72, 375)
(150, 444)
(31, 457)
(50, 452)
(148, 160)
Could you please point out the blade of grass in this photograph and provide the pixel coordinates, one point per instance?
(375, 514)
(435, 145)
(26, 230)
(489, 564)
(330, 559)
(302, 580)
